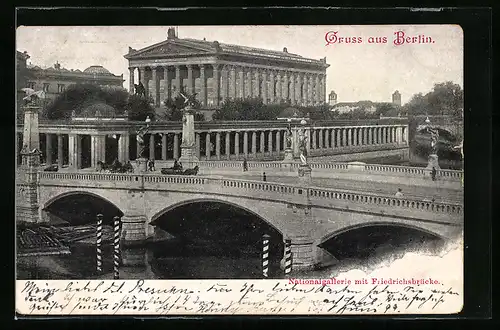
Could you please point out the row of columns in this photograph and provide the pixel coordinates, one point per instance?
(325, 138)
(231, 82)
(218, 145)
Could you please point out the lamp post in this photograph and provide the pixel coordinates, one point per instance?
(141, 160)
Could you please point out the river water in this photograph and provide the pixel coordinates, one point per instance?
(173, 260)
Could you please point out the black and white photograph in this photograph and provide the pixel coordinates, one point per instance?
(232, 160)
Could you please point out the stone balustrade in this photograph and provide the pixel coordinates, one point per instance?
(393, 170)
(321, 197)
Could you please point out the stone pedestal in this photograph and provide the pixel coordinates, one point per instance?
(133, 230)
(305, 173)
(188, 147)
(141, 165)
(27, 208)
(288, 156)
(433, 162)
(188, 156)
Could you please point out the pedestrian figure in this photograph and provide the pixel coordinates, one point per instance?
(264, 178)
(433, 174)
(152, 165)
(245, 165)
(399, 193)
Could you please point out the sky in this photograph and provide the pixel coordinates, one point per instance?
(358, 71)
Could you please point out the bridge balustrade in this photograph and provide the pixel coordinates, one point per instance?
(451, 175)
(256, 189)
(406, 203)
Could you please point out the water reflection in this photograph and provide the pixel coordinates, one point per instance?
(158, 261)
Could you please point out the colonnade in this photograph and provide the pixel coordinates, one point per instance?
(329, 137)
(86, 150)
(215, 83)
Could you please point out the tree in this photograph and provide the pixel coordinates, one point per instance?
(139, 108)
(246, 109)
(76, 97)
(445, 99)
(387, 110)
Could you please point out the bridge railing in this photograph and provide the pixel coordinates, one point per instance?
(324, 197)
(406, 171)
(387, 201)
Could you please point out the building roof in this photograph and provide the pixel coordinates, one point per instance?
(356, 104)
(91, 70)
(177, 46)
(97, 69)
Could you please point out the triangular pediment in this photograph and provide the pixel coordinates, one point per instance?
(167, 48)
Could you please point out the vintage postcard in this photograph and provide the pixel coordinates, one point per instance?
(238, 170)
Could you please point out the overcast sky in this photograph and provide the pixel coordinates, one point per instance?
(359, 71)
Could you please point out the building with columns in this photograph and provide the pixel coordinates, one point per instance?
(56, 79)
(216, 71)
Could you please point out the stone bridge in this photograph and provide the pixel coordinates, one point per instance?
(306, 215)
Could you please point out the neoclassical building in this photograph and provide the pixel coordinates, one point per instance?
(56, 79)
(217, 71)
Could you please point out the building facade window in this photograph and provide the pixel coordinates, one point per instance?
(31, 84)
(60, 88)
(46, 87)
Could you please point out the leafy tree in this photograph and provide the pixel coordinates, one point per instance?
(246, 109)
(76, 97)
(139, 108)
(387, 110)
(445, 99)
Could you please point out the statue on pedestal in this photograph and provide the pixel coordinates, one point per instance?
(433, 162)
(32, 97)
(303, 146)
(141, 132)
(141, 146)
(140, 90)
(434, 140)
(289, 137)
(188, 147)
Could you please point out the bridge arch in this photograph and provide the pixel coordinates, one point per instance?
(347, 229)
(174, 206)
(54, 199)
(77, 207)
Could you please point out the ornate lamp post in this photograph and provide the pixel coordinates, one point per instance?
(141, 159)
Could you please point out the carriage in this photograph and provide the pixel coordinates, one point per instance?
(116, 167)
(180, 171)
(51, 168)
